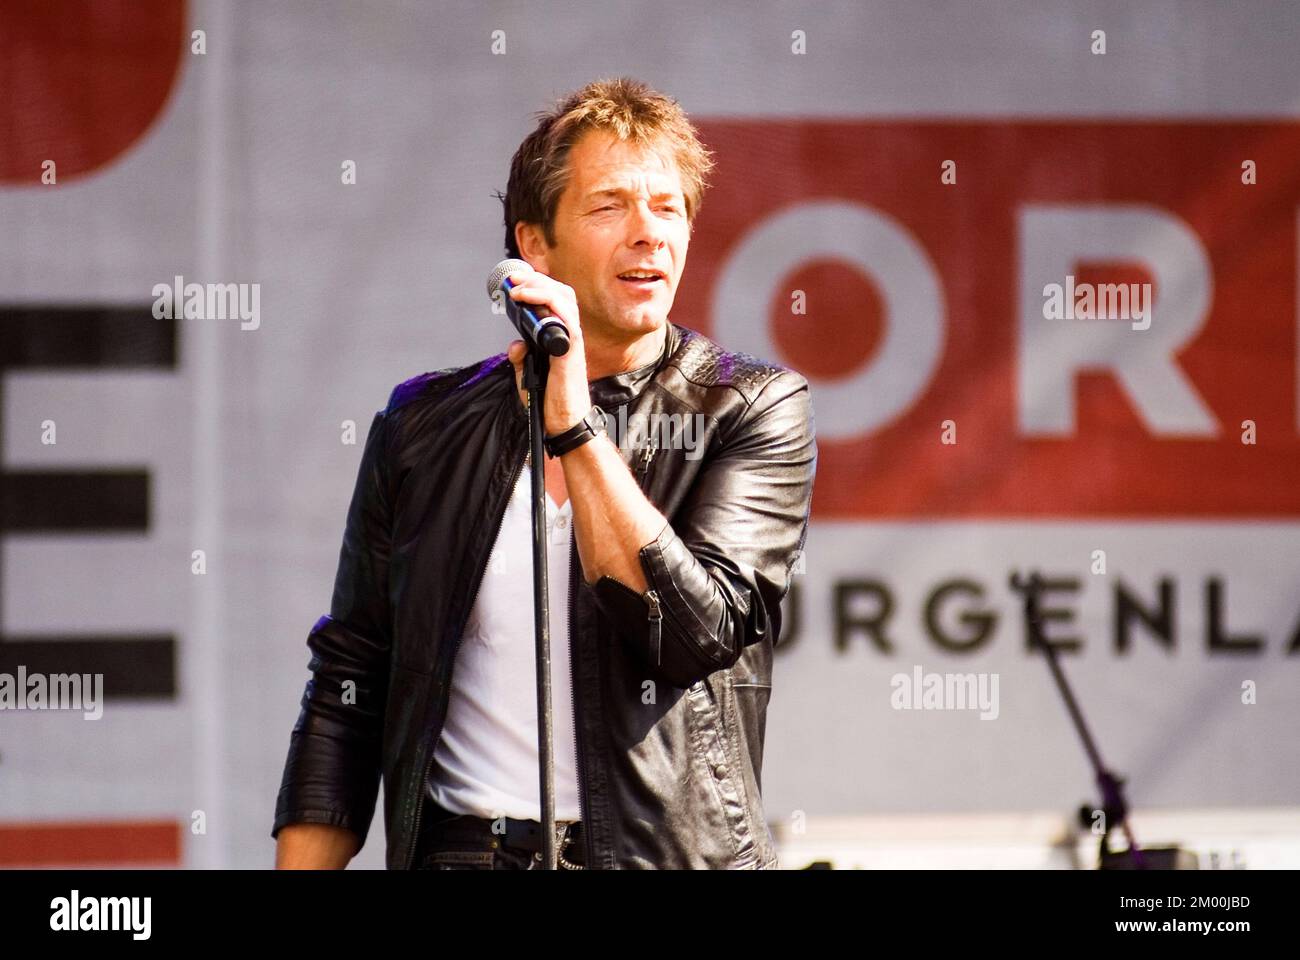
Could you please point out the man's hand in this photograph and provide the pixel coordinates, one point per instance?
(314, 846)
(612, 519)
(567, 396)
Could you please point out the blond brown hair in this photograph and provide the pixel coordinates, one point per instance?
(625, 107)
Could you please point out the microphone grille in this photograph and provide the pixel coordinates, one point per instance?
(499, 272)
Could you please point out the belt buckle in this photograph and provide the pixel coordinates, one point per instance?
(564, 845)
(527, 835)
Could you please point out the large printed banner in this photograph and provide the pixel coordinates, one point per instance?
(1021, 320)
(1056, 348)
(1063, 345)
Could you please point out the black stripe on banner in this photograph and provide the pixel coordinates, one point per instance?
(45, 501)
(134, 667)
(85, 336)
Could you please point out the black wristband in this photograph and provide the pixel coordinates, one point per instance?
(588, 428)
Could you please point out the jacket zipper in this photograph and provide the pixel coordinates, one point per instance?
(588, 844)
(655, 616)
(651, 596)
(644, 466)
(428, 763)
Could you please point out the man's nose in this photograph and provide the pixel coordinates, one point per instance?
(646, 227)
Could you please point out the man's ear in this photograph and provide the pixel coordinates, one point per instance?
(531, 242)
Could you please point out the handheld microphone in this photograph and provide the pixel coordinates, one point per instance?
(534, 322)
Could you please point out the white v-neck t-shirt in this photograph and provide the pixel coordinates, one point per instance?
(486, 762)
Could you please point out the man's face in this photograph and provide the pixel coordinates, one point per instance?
(622, 210)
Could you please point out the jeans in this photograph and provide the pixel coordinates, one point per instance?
(462, 842)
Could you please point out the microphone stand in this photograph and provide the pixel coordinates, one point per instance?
(1114, 806)
(536, 367)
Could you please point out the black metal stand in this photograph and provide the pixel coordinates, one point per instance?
(536, 368)
(1114, 806)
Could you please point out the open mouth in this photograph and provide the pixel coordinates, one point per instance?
(643, 279)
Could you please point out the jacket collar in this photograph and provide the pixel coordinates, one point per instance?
(618, 388)
(612, 391)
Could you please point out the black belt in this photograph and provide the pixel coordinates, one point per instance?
(519, 834)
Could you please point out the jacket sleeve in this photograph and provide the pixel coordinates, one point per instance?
(718, 572)
(332, 772)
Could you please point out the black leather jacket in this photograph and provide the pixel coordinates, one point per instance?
(670, 709)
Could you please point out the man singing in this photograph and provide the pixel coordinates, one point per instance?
(671, 547)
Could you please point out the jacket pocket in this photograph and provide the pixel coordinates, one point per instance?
(707, 733)
(751, 711)
(460, 860)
